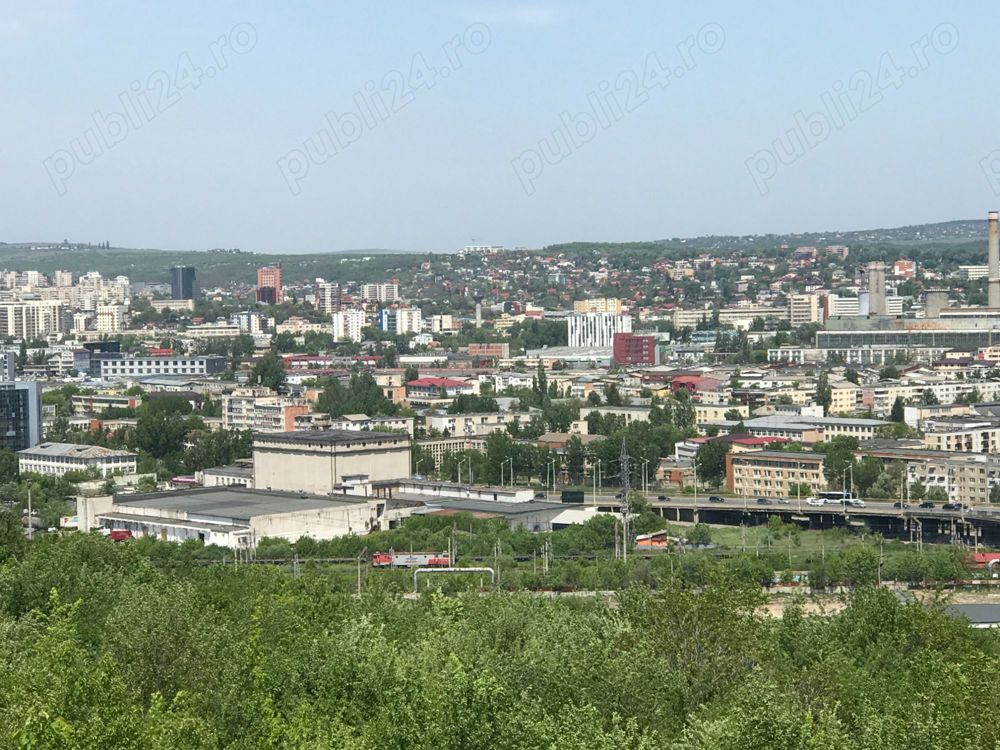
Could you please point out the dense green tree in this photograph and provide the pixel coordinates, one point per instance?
(898, 407)
(710, 461)
(269, 371)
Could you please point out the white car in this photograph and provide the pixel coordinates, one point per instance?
(814, 501)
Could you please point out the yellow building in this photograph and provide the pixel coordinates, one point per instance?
(773, 473)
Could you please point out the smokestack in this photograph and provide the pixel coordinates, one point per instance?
(479, 314)
(876, 289)
(993, 235)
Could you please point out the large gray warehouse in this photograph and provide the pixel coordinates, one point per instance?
(238, 517)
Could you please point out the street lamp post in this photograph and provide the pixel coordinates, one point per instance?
(552, 463)
(509, 459)
(694, 463)
(596, 474)
(645, 475)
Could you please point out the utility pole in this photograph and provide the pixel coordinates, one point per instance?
(626, 503)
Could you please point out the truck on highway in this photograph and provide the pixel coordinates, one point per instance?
(392, 559)
(572, 496)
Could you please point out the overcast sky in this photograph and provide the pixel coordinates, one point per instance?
(299, 127)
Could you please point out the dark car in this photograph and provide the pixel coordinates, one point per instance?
(662, 497)
(898, 504)
(540, 496)
(715, 499)
(951, 506)
(763, 501)
(926, 504)
(619, 496)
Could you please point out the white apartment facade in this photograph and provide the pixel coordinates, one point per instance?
(56, 459)
(31, 320)
(387, 292)
(347, 325)
(596, 329)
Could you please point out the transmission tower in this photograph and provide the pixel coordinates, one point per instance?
(626, 504)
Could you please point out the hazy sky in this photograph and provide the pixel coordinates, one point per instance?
(308, 126)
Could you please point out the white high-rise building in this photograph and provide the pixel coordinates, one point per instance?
(380, 292)
(597, 329)
(408, 320)
(30, 320)
(803, 309)
(347, 324)
(110, 318)
(327, 296)
(62, 278)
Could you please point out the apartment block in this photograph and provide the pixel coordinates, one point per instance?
(261, 410)
(31, 320)
(598, 305)
(962, 434)
(347, 325)
(804, 309)
(388, 292)
(138, 367)
(773, 473)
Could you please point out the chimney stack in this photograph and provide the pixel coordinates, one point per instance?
(993, 235)
(876, 289)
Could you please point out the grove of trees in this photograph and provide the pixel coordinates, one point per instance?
(105, 647)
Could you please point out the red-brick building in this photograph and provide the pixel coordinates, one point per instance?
(630, 349)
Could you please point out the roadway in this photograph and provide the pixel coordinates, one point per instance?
(885, 508)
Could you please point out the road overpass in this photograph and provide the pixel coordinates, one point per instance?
(973, 525)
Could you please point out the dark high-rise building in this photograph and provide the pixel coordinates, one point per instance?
(20, 415)
(182, 282)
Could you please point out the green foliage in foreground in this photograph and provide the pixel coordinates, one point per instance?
(99, 648)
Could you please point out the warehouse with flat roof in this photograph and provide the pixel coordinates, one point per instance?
(238, 517)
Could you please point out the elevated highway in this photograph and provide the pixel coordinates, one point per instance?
(971, 525)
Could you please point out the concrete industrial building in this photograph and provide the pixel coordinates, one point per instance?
(55, 459)
(329, 461)
(238, 517)
(941, 327)
(738, 317)
(876, 288)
